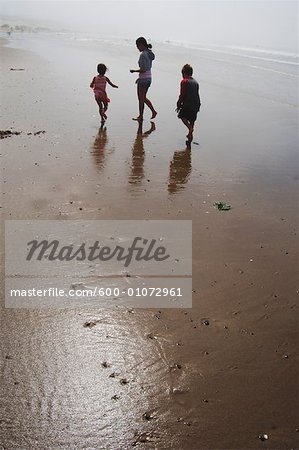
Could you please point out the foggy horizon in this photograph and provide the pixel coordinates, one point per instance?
(254, 24)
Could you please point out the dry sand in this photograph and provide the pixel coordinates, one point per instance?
(190, 385)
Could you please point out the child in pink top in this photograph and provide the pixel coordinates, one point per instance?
(98, 85)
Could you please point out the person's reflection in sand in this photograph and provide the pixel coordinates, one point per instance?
(138, 154)
(179, 170)
(99, 147)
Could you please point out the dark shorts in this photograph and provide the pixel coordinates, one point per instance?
(189, 114)
(144, 82)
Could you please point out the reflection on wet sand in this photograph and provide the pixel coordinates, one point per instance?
(179, 170)
(138, 154)
(99, 148)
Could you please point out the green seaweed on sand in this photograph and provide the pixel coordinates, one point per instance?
(222, 206)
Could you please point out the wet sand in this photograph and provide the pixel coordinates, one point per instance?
(155, 379)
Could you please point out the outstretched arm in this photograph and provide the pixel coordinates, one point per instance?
(137, 70)
(92, 83)
(111, 84)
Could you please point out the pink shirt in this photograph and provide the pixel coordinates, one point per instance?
(99, 86)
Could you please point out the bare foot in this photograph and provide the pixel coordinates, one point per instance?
(154, 114)
(139, 118)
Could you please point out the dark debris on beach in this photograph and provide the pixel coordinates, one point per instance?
(8, 133)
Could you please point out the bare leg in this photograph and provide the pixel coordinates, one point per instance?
(105, 104)
(101, 109)
(190, 126)
(141, 91)
(150, 105)
(191, 129)
(186, 122)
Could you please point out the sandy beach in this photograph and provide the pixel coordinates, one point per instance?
(189, 384)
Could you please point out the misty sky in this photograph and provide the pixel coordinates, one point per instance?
(263, 23)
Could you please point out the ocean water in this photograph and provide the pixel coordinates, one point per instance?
(262, 55)
(263, 72)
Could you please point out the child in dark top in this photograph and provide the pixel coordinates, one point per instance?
(188, 103)
(98, 85)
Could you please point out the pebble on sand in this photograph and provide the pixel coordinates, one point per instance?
(89, 324)
(105, 365)
(263, 437)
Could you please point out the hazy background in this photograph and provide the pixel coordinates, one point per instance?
(264, 24)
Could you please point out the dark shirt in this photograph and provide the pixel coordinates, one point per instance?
(189, 96)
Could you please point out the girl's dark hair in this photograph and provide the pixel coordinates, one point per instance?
(187, 70)
(101, 69)
(142, 41)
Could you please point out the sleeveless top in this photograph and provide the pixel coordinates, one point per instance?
(99, 87)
